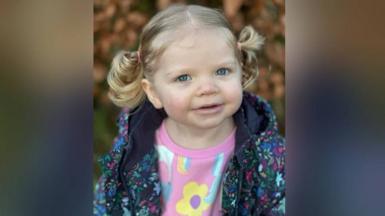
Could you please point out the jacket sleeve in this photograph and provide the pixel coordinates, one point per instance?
(109, 164)
(99, 208)
(272, 171)
(279, 208)
(99, 198)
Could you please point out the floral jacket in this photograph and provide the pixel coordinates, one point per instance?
(253, 183)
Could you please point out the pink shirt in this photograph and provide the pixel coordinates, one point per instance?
(191, 179)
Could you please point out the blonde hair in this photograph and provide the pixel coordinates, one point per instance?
(129, 68)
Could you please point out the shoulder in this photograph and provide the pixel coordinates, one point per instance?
(270, 149)
(269, 144)
(106, 187)
(110, 160)
(262, 108)
(122, 123)
(271, 154)
(121, 140)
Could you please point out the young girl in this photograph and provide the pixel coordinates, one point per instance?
(191, 142)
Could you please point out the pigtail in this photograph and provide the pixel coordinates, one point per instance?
(249, 43)
(124, 79)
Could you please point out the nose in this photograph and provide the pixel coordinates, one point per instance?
(207, 86)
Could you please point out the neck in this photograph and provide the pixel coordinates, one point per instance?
(198, 138)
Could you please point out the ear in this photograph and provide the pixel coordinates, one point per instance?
(152, 96)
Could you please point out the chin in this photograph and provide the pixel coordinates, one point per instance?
(209, 124)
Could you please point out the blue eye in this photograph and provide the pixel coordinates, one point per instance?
(222, 71)
(183, 78)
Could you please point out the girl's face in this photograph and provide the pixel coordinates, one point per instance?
(197, 81)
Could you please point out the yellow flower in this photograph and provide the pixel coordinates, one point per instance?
(193, 203)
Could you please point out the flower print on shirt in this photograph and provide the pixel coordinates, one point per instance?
(193, 202)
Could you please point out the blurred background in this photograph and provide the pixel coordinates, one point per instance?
(335, 102)
(118, 24)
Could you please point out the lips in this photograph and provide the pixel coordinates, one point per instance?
(209, 106)
(209, 109)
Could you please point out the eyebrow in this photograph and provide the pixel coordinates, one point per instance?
(231, 62)
(179, 69)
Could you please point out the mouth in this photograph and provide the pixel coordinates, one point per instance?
(209, 108)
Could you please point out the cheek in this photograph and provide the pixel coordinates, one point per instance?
(175, 104)
(234, 94)
(234, 87)
(237, 96)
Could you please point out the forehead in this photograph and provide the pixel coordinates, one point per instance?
(196, 47)
(185, 33)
